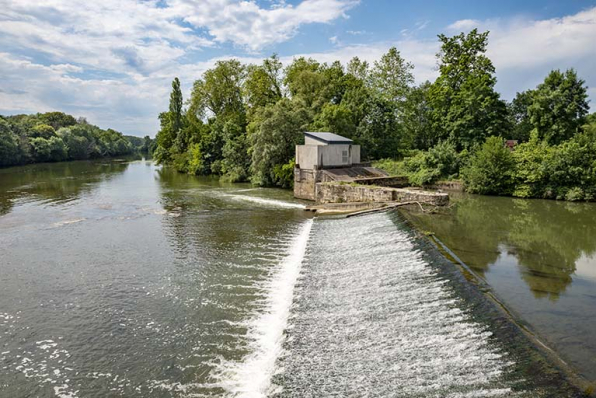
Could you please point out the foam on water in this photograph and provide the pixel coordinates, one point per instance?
(251, 377)
(265, 202)
(372, 318)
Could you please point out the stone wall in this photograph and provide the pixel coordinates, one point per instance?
(343, 193)
(393, 181)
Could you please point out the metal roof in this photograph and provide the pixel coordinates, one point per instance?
(328, 138)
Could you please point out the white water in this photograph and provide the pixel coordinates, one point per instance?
(251, 378)
(372, 318)
(265, 202)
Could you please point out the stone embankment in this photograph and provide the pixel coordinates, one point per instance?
(331, 192)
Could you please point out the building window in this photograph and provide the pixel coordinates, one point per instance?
(344, 156)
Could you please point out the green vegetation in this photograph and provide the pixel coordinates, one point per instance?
(555, 156)
(55, 136)
(243, 121)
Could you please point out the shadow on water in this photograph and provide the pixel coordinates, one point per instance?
(54, 182)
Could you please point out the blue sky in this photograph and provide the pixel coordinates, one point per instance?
(113, 61)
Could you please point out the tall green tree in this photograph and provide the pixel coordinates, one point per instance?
(520, 117)
(219, 93)
(263, 85)
(391, 77)
(176, 107)
(466, 107)
(416, 118)
(559, 106)
(171, 138)
(379, 133)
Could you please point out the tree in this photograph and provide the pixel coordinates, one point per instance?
(559, 106)
(273, 135)
(171, 138)
(335, 119)
(490, 170)
(391, 77)
(263, 85)
(379, 133)
(48, 150)
(9, 145)
(416, 117)
(520, 118)
(220, 90)
(176, 107)
(306, 83)
(43, 130)
(359, 69)
(466, 108)
(57, 119)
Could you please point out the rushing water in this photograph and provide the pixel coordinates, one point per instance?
(539, 257)
(128, 280)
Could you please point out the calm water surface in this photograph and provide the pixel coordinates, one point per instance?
(123, 279)
(540, 258)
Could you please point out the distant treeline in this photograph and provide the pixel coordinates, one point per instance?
(243, 121)
(56, 136)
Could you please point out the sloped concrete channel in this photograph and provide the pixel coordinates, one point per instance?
(379, 312)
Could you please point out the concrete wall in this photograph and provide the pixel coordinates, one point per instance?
(319, 156)
(305, 183)
(355, 154)
(307, 156)
(343, 193)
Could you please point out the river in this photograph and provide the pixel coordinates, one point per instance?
(539, 257)
(125, 279)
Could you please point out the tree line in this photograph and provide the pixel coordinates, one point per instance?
(242, 122)
(56, 136)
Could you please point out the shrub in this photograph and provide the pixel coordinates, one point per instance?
(490, 169)
(530, 173)
(284, 174)
(392, 167)
(441, 161)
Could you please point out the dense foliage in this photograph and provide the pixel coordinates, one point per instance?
(55, 136)
(242, 122)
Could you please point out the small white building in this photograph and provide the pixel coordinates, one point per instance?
(326, 150)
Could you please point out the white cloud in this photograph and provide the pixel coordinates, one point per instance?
(246, 24)
(420, 53)
(115, 65)
(464, 24)
(111, 58)
(524, 51)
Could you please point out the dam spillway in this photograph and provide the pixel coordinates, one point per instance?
(372, 318)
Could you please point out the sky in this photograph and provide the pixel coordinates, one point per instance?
(112, 61)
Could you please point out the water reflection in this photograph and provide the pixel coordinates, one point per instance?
(53, 183)
(547, 238)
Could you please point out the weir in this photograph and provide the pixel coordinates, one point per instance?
(373, 317)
